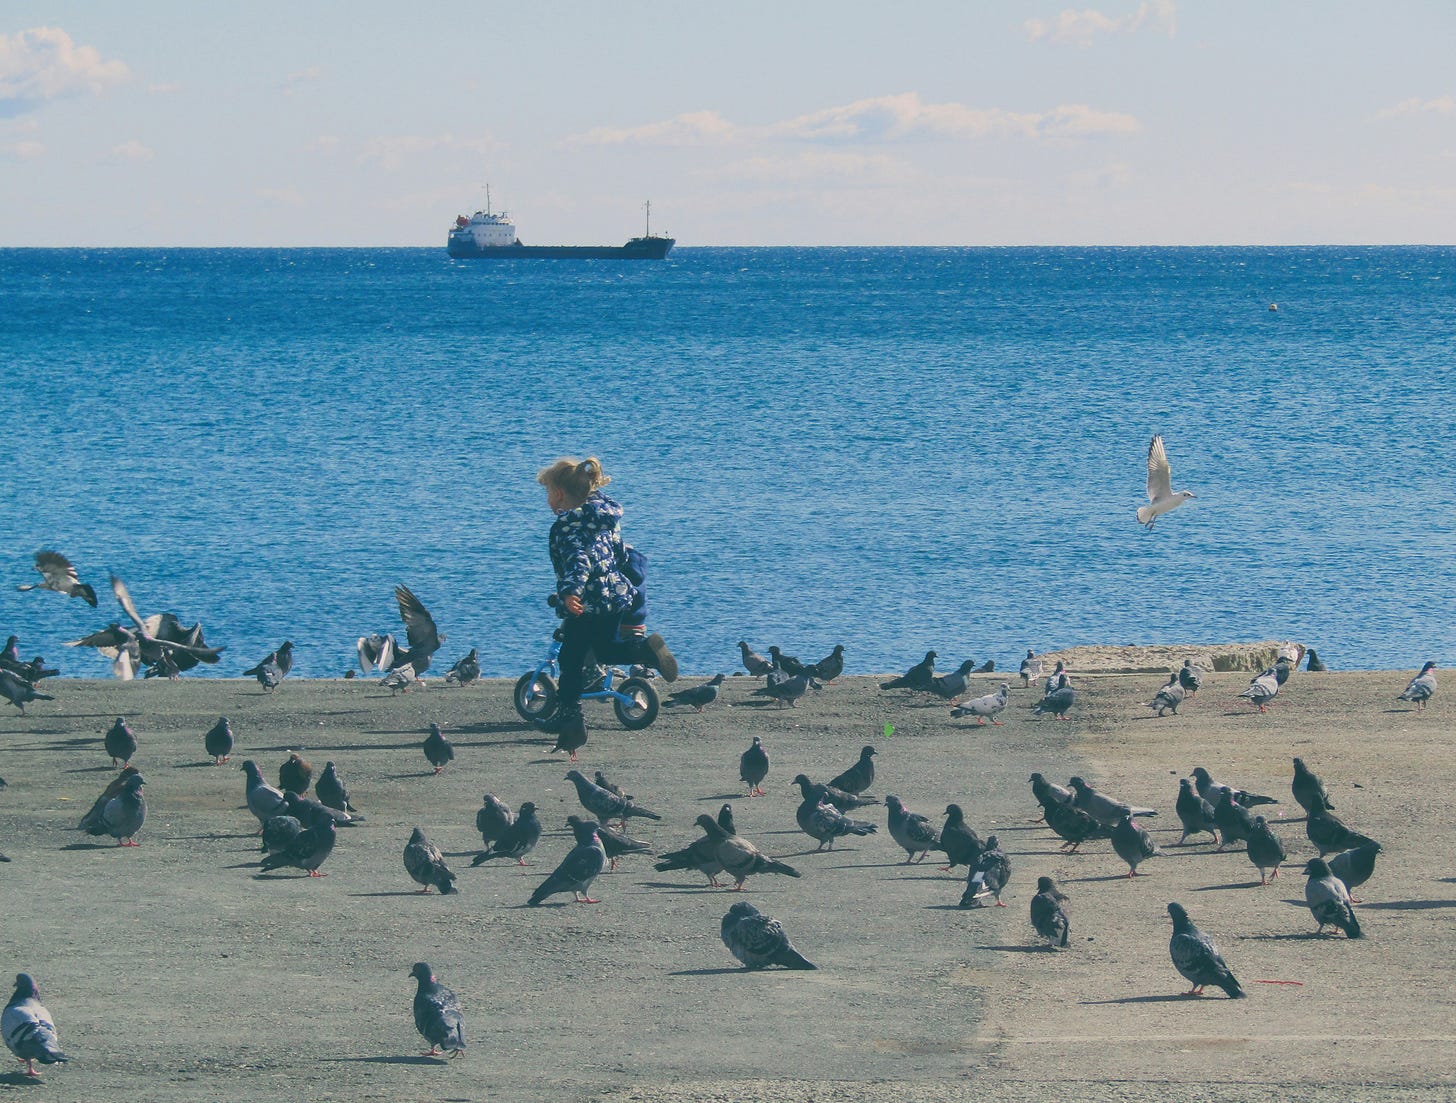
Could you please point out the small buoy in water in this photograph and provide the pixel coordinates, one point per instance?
(1273, 306)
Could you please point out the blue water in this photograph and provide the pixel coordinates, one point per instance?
(893, 448)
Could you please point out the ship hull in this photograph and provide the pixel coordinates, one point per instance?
(653, 248)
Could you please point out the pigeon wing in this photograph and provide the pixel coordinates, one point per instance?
(1160, 475)
(419, 626)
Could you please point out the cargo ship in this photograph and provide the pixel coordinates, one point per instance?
(488, 235)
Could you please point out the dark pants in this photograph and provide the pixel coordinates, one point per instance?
(595, 633)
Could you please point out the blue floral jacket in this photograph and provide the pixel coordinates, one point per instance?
(587, 553)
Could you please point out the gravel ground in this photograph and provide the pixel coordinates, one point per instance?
(176, 972)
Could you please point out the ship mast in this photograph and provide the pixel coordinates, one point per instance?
(649, 218)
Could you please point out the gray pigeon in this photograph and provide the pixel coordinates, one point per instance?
(308, 851)
(1263, 689)
(120, 742)
(753, 662)
(58, 575)
(952, 685)
(1058, 701)
(739, 857)
(1197, 958)
(1233, 820)
(614, 842)
(1104, 809)
(331, 791)
(1190, 678)
(985, 708)
(758, 941)
(516, 841)
(858, 777)
(961, 844)
(1211, 790)
(426, 865)
(1133, 844)
(604, 804)
(1048, 917)
(1329, 833)
(424, 639)
(917, 677)
(1265, 850)
(1308, 789)
(1169, 697)
(753, 767)
(437, 1013)
(1047, 792)
(1030, 668)
(280, 832)
(1194, 813)
(274, 667)
(1073, 826)
(699, 697)
(437, 748)
(788, 691)
(1354, 866)
(1422, 688)
(830, 667)
(493, 819)
(218, 742)
(911, 830)
(123, 815)
(988, 877)
(29, 1032)
(828, 794)
(577, 870)
(702, 853)
(19, 692)
(825, 823)
(264, 801)
(1329, 899)
(465, 671)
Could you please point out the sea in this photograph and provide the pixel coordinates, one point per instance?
(894, 449)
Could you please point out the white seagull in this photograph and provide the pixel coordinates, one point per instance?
(1160, 486)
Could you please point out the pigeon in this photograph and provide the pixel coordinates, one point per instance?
(753, 662)
(29, 1032)
(437, 748)
(1058, 702)
(699, 697)
(120, 742)
(952, 685)
(1161, 496)
(1422, 688)
(464, 671)
(989, 877)
(437, 1013)
(604, 804)
(1308, 789)
(987, 667)
(154, 640)
(739, 857)
(1073, 826)
(264, 801)
(825, 823)
(1197, 959)
(57, 574)
(985, 708)
(1048, 917)
(122, 816)
(702, 853)
(1194, 813)
(517, 840)
(614, 842)
(376, 652)
(570, 729)
(1329, 899)
(1233, 820)
(578, 869)
(19, 692)
(787, 663)
(911, 830)
(1054, 679)
(858, 777)
(1282, 669)
(279, 833)
(1047, 792)
(331, 791)
(1190, 678)
(295, 774)
(1314, 664)
(830, 667)
(218, 742)
(274, 667)
(789, 691)
(1104, 809)
(419, 627)
(1211, 790)
(1265, 850)
(962, 846)
(308, 851)
(1262, 689)
(753, 767)
(1133, 844)
(917, 677)
(828, 794)
(32, 671)
(1030, 668)
(493, 819)
(1169, 697)
(610, 786)
(93, 816)
(1354, 866)
(307, 810)
(758, 940)
(1329, 833)
(426, 865)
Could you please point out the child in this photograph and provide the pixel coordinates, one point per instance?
(602, 604)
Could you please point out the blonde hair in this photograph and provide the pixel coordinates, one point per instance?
(573, 477)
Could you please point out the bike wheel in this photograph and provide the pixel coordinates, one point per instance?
(643, 707)
(535, 696)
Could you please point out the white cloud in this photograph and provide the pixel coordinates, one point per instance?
(43, 64)
(1443, 105)
(129, 151)
(1082, 27)
(817, 165)
(25, 150)
(901, 117)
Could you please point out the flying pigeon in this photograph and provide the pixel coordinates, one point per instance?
(1422, 687)
(917, 677)
(1308, 789)
(376, 652)
(122, 816)
(331, 791)
(19, 692)
(1263, 689)
(1133, 844)
(739, 858)
(1265, 850)
(1329, 899)
(29, 1032)
(1048, 917)
(1194, 813)
(1058, 702)
(419, 627)
(614, 842)
(753, 662)
(1196, 957)
(578, 869)
(295, 774)
(1102, 808)
(753, 767)
(699, 697)
(758, 941)
(912, 831)
(989, 877)
(437, 748)
(961, 844)
(1161, 496)
(1169, 697)
(858, 777)
(426, 865)
(308, 851)
(57, 574)
(120, 743)
(1190, 678)
(985, 708)
(218, 742)
(464, 671)
(604, 804)
(437, 1013)
(517, 839)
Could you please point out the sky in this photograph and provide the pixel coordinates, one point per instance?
(797, 122)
